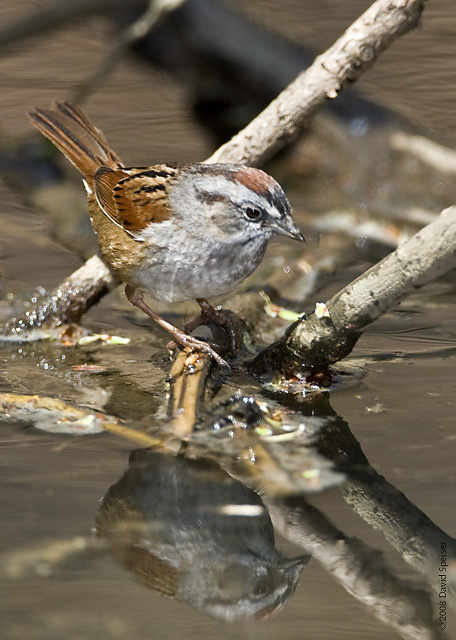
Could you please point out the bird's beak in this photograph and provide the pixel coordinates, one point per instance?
(286, 227)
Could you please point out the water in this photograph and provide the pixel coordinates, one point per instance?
(401, 410)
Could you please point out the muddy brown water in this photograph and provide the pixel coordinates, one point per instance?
(402, 410)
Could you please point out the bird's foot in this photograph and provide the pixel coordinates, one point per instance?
(180, 337)
(186, 341)
(209, 314)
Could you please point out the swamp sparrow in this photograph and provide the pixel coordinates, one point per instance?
(176, 231)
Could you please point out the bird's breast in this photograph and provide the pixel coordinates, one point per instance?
(208, 270)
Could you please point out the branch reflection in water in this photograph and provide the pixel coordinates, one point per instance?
(192, 532)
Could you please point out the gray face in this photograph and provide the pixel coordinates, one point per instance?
(236, 203)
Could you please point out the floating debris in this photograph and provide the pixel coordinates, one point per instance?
(103, 337)
(321, 310)
(276, 311)
(51, 414)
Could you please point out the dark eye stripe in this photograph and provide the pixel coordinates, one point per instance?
(278, 201)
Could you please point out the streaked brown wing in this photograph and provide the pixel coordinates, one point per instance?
(134, 198)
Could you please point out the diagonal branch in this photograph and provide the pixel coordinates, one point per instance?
(352, 54)
(315, 342)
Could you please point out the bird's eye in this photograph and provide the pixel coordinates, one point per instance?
(252, 213)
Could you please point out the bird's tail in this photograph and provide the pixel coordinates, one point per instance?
(76, 137)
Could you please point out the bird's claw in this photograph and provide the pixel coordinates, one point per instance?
(190, 342)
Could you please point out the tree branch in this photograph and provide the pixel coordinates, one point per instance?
(352, 54)
(321, 339)
(65, 305)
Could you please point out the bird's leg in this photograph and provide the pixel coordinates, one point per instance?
(209, 314)
(182, 338)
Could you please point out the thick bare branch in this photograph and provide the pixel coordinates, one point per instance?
(354, 52)
(327, 336)
(65, 305)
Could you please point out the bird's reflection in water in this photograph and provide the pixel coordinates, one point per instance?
(192, 532)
